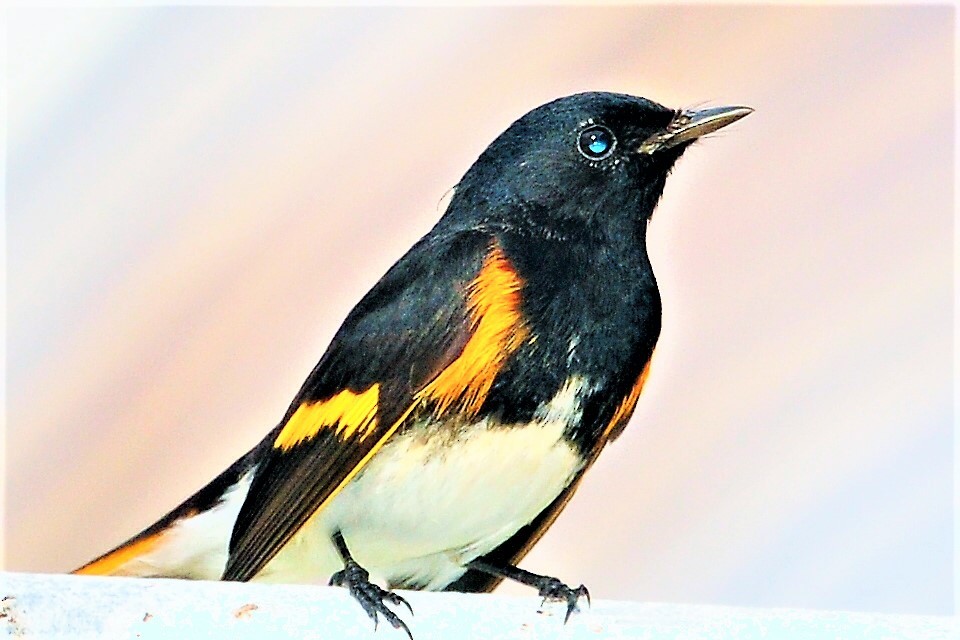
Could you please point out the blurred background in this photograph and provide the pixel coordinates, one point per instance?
(197, 196)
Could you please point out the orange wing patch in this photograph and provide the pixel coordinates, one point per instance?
(348, 413)
(493, 302)
(625, 409)
(497, 330)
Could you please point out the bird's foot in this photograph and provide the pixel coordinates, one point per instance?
(549, 588)
(554, 590)
(371, 597)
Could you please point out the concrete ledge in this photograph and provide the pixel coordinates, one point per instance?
(80, 607)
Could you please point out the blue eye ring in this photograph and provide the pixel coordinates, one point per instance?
(596, 142)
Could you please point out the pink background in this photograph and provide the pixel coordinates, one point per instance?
(196, 198)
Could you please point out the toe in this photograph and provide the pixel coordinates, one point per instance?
(372, 598)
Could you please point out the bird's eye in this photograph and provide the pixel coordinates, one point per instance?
(597, 142)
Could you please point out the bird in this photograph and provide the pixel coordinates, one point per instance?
(456, 410)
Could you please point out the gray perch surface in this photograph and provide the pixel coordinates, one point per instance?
(79, 607)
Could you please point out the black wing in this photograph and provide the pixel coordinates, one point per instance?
(399, 352)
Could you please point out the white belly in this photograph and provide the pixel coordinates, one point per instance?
(430, 501)
(424, 507)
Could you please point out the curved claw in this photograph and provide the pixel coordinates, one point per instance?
(371, 597)
(553, 589)
(396, 599)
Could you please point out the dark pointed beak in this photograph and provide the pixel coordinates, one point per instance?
(689, 125)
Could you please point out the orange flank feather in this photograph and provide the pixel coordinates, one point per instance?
(493, 302)
(622, 415)
(346, 412)
(109, 563)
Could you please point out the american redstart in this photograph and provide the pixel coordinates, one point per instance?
(459, 405)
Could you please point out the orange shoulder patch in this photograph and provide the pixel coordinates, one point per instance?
(498, 329)
(348, 413)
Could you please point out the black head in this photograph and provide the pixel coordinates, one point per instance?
(589, 162)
